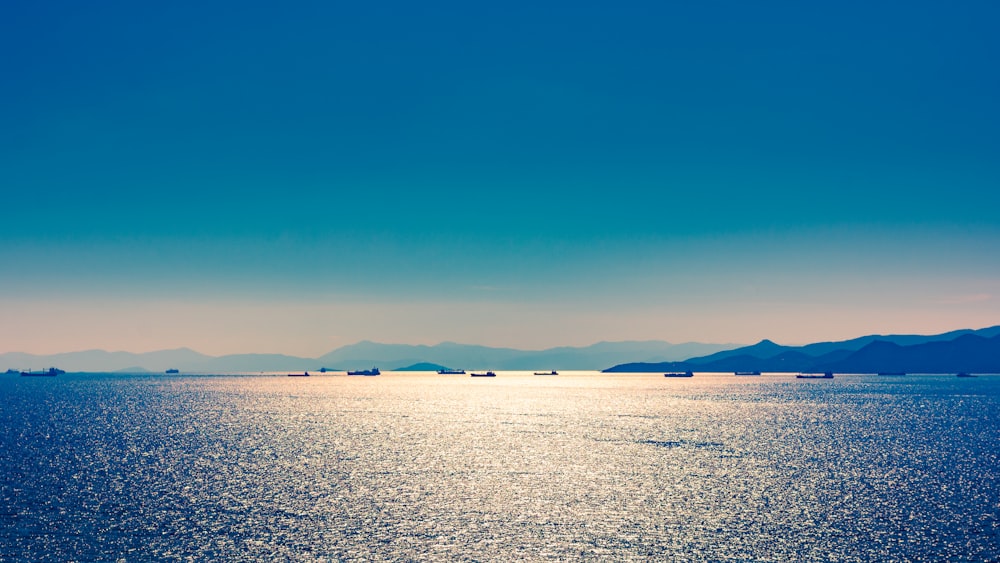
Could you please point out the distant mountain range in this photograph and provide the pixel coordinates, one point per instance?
(367, 354)
(595, 356)
(184, 359)
(961, 350)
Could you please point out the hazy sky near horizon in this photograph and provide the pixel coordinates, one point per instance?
(247, 177)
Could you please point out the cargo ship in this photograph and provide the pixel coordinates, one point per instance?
(51, 372)
(826, 375)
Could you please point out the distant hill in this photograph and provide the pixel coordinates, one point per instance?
(422, 366)
(821, 348)
(768, 349)
(964, 350)
(256, 362)
(968, 353)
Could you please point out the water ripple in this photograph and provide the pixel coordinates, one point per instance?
(595, 467)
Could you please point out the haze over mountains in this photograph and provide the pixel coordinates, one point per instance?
(961, 350)
(367, 354)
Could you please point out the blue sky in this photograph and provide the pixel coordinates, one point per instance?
(247, 177)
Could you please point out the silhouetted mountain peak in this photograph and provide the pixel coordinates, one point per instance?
(766, 346)
(880, 346)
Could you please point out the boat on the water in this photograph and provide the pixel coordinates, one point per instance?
(172, 371)
(51, 372)
(451, 371)
(303, 374)
(892, 373)
(826, 375)
(487, 374)
(679, 374)
(963, 374)
(746, 373)
(373, 371)
(553, 372)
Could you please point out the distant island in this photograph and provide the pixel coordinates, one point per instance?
(422, 366)
(953, 352)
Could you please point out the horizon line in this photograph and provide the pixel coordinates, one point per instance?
(443, 342)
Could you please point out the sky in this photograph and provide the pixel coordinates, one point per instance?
(250, 177)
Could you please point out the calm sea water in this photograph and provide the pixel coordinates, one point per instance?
(422, 467)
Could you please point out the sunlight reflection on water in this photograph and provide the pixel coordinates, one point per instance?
(515, 467)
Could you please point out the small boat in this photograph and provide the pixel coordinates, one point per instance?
(553, 372)
(963, 374)
(892, 373)
(51, 372)
(827, 375)
(487, 374)
(685, 374)
(373, 371)
(303, 374)
(746, 373)
(451, 371)
(172, 370)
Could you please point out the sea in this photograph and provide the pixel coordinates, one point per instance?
(427, 467)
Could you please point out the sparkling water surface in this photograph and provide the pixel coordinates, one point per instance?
(517, 467)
